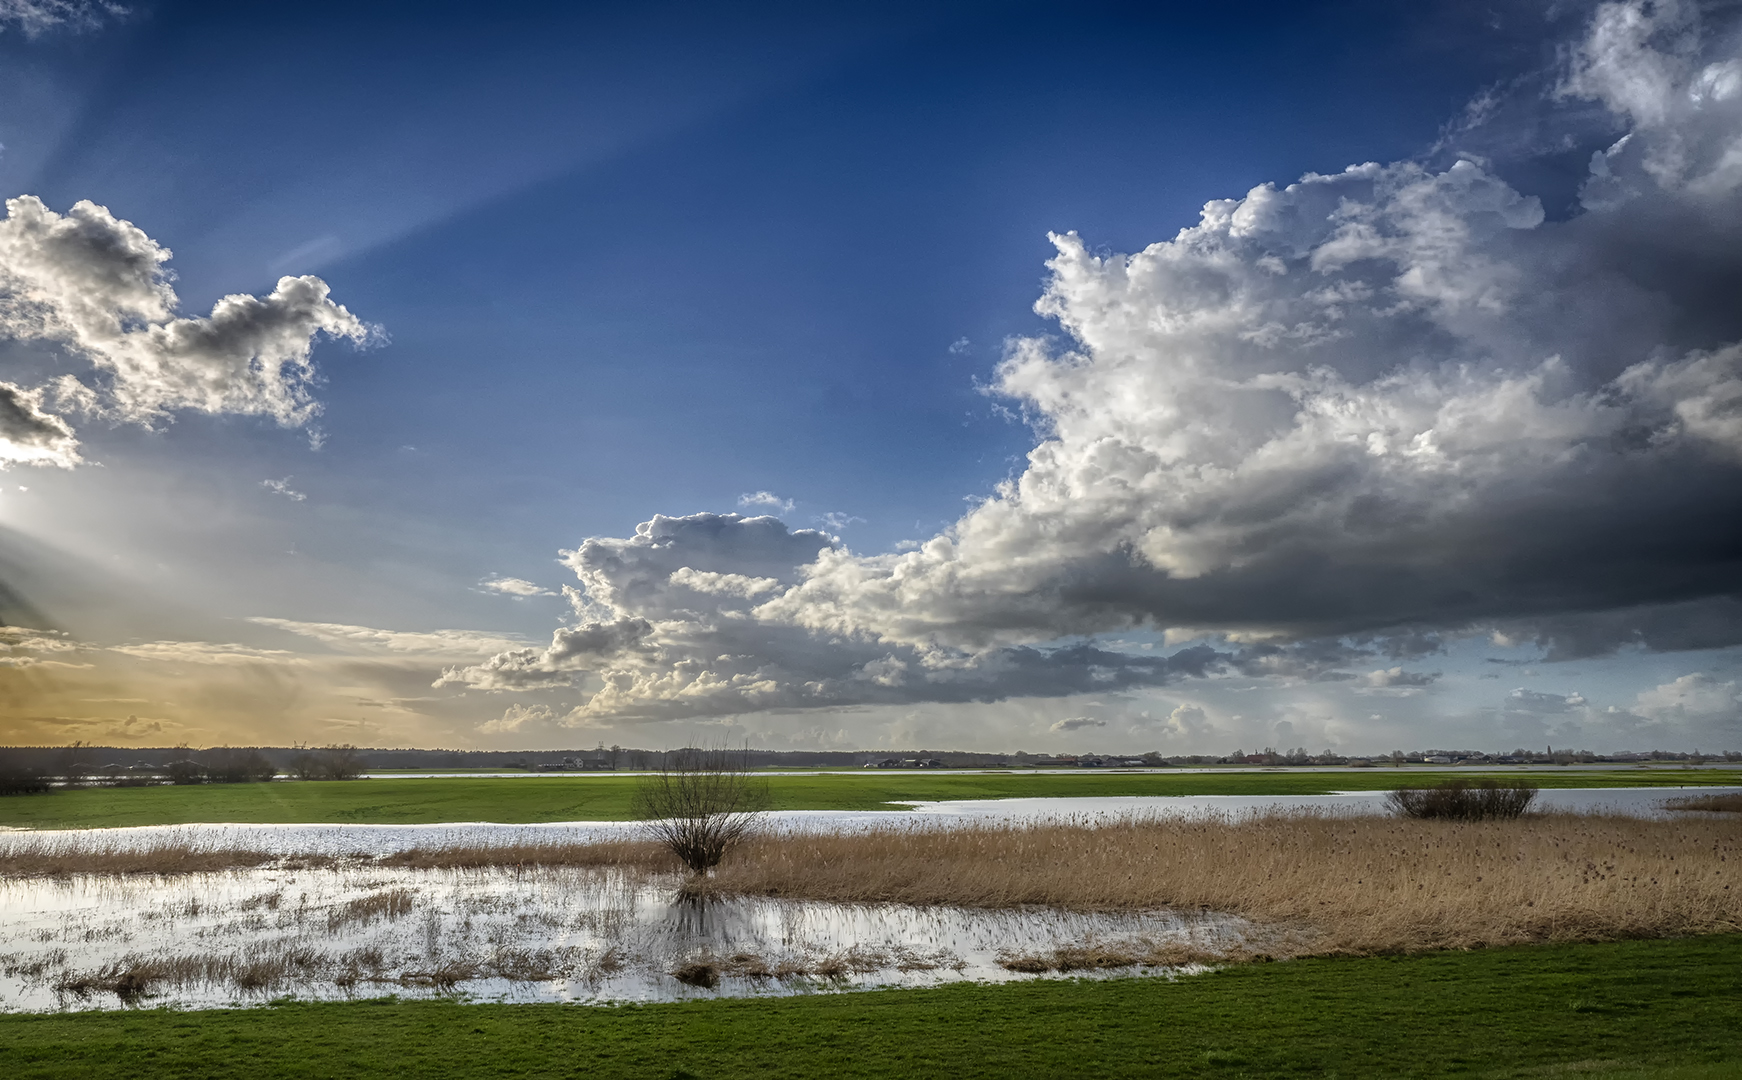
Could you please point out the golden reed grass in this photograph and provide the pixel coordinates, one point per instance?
(52, 857)
(1324, 884)
(1727, 803)
(633, 853)
(59, 860)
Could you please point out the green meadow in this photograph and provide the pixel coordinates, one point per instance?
(607, 797)
(1666, 1010)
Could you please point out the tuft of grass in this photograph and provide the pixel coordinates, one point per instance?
(387, 904)
(698, 973)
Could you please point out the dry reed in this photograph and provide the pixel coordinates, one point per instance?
(1322, 884)
(640, 854)
(53, 857)
(387, 904)
(1728, 803)
(58, 860)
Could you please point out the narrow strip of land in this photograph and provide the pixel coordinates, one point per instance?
(607, 797)
(1664, 1010)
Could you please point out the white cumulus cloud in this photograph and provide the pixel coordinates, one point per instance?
(1332, 420)
(1077, 723)
(765, 498)
(513, 586)
(96, 285)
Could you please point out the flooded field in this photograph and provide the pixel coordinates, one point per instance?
(211, 915)
(374, 840)
(552, 934)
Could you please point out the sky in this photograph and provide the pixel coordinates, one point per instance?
(994, 376)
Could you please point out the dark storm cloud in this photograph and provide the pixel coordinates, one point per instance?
(1342, 418)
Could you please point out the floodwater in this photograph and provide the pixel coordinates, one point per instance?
(553, 934)
(375, 840)
(561, 934)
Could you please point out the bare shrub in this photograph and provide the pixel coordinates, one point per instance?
(1729, 803)
(337, 762)
(701, 803)
(1460, 800)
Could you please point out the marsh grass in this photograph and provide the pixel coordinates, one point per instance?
(1305, 884)
(1324, 884)
(1730, 803)
(1104, 956)
(134, 978)
(629, 853)
(49, 855)
(706, 969)
(387, 904)
(53, 857)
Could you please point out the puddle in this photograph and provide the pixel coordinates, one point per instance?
(519, 935)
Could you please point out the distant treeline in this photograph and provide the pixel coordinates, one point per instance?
(284, 758)
(26, 768)
(35, 769)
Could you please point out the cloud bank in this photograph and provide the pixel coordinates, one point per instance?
(1334, 419)
(96, 286)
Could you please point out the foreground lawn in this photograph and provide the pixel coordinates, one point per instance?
(607, 798)
(1659, 1009)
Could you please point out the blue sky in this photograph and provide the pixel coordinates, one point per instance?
(605, 262)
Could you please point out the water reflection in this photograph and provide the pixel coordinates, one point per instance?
(558, 934)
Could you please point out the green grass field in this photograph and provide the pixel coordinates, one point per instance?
(1660, 1009)
(607, 797)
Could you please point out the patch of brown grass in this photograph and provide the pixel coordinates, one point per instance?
(1328, 884)
(1730, 803)
(1103, 956)
(55, 857)
(387, 904)
(641, 854)
(61, 860)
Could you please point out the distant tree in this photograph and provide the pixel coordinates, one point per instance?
(183, 769)
(18, 778)
(700, 803)
(237, 765)
(338, 762)
(72, 766)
